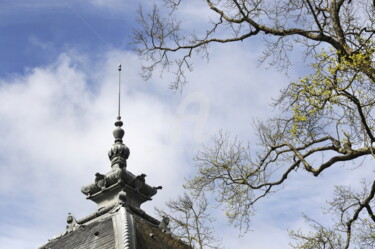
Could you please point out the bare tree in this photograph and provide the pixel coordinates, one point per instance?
(190, 220)
(345, 26)
(355, 222)
(326, 117)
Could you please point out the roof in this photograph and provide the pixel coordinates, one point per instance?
(99, 234)
(119, 228)
(151, 237)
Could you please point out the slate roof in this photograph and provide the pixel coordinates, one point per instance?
(122, 229)
(99, 234)
(151, 237)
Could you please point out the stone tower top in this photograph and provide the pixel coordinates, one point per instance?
(104, 191)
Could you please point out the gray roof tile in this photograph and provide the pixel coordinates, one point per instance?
(149, 236)
(99, 234)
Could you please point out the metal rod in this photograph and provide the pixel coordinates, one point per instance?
(119, 90)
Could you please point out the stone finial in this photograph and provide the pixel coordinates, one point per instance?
(105, 190)
(119, 152)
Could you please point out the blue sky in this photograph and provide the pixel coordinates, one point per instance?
(58, 76)
(35, 32)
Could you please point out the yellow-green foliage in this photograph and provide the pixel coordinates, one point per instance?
(319, 92)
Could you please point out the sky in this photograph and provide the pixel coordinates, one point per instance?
(58, 83)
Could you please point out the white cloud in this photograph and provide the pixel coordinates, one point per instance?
(56, 131)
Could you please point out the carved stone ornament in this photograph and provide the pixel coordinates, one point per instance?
(164, 225)
(139, 182)
(104, 182)
(100, 181)
(72, 223)
(122, 201)
(122, 198)
(119, 152)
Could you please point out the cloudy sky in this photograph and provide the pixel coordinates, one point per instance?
(58, 76)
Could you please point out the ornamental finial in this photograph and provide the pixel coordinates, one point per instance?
(118, 133)
(119, 153)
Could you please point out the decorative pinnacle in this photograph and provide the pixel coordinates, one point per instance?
(119, 153)
(118, 133)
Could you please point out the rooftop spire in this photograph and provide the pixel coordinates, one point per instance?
(119, 153)
(106, 188)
